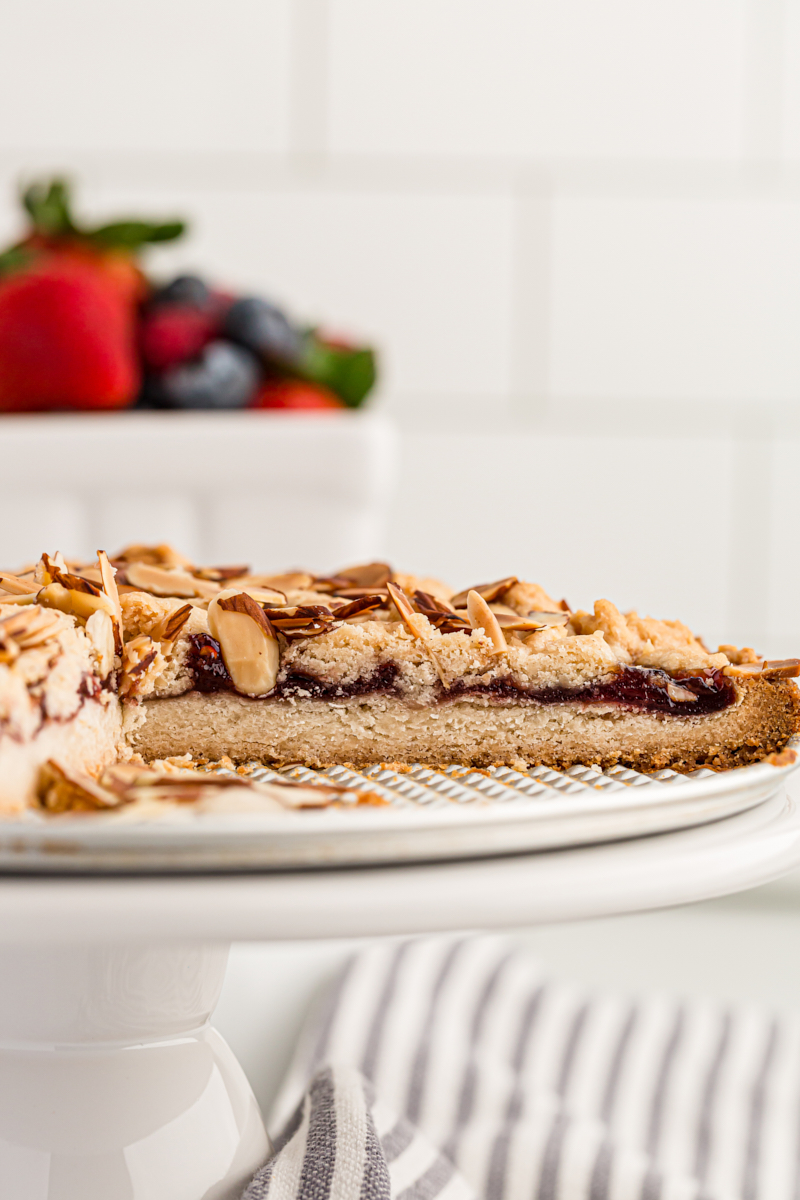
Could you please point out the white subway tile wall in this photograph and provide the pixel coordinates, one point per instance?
(573, 228)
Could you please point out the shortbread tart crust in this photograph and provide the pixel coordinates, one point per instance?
(149, 655)
(475, 731)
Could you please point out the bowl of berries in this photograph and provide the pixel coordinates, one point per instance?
(175, 396)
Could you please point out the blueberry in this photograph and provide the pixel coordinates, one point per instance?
(224, 376)
(185, 289)
(264, 329)
(151, 394)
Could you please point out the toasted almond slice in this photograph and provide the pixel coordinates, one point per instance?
(366, 575)
(290, 581)
(49, 568)
(782, 668)
(162, 555)
(416, 623)
(489, 591)
(779, 668)
(419, 626)
(220, 574)
(40, 631)
(261, 595)
(31, 626)
(680, 695)
(163, 581)
(109, 582)
(357, 607)
(100, 632)
(26, 598)
(482, 617)
(530, 623)
(16, 623)
(17, 586)
(173, 623)
(744, 670)
(62, 791)
(77, 604)
(139, 654)
(248, 643)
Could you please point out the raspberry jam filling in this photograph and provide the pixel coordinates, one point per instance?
(211, 675)
(643, 689)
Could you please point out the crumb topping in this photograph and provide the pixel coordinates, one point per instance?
(132, 618)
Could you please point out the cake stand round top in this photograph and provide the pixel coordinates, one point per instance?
(661, 870)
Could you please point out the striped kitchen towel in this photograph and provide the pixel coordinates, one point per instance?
(453, 1068)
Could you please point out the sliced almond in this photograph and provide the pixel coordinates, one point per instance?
(173, 623)
(357, 607)
(779, 668)
(139, 654)
(59, 790)
(23, 599)
(17, 586)
(100, 632)
(30, 624)
(43, 628)
(48, 568)
(76, 603)
(419, 626)
(248, 643)
(482, 617)
(220, 574)
(305, 620)
(376, 574)
(489, 591)
(415, 622)
(262, 595)
(782, 668)
(290, 581)
(27, 623)
(530, 623)
(163, 581)
(680, 695)
(162, 555)
(108, 577)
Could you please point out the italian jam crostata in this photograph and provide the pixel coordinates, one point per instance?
(147, 656)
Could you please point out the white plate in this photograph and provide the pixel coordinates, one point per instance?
(431, 815)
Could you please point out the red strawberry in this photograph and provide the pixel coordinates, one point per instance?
(171, 335)
(66, 338)
(296, 395)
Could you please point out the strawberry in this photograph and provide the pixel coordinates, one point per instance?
(66, 339)
(69, 297)
(295, 395)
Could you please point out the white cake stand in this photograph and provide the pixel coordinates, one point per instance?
(112, 1084)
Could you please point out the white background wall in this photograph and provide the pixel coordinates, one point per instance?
(573, 228)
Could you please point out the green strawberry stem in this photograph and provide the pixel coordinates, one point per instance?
(49, 206)
(349, 373)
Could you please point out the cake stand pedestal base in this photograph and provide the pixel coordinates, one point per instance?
(112, 1084)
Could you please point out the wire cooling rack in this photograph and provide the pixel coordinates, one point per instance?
(441, 787)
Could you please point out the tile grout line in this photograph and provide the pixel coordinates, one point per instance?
(308, 87)
(764, 101)
(750, 516)
(401, 174)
